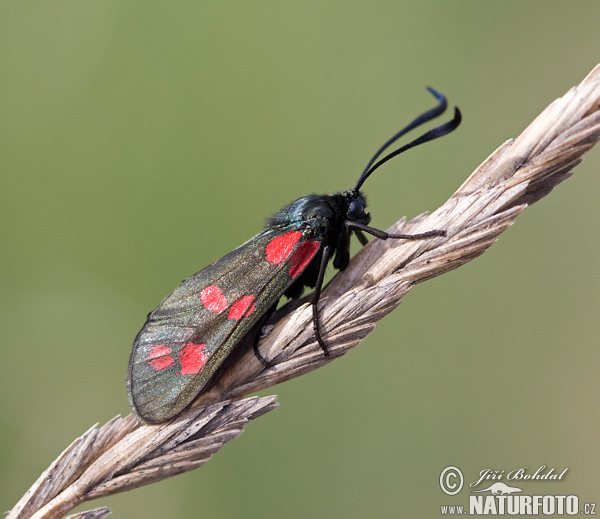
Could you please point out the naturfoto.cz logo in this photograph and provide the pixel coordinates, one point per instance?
(492, 496)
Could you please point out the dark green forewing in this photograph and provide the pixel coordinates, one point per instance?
(193, 330)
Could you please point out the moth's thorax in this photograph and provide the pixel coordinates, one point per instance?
(325, 213)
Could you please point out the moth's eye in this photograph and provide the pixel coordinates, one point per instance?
(356, 209)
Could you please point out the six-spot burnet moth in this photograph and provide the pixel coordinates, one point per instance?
(195, 328)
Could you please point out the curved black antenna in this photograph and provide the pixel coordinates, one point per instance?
(438, 131)
(423, 118)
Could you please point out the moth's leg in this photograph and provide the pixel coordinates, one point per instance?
(263, 320)
(382, 235)
(315, 298)
(342, 256)
(361, 237)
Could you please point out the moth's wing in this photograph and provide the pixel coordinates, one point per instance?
(193, 330)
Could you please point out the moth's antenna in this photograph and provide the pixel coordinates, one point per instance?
(439, 131)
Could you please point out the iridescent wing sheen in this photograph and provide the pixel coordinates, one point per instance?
(195, 328)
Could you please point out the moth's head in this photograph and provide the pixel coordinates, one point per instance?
(356, 205)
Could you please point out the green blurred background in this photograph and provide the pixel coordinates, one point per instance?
(141, 141)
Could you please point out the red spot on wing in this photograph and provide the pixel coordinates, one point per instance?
(160, 357)
(240, 308)
(281, 247)
(192, 358)
(213, 299)
(302, 257)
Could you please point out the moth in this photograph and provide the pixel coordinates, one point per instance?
(195, 328)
